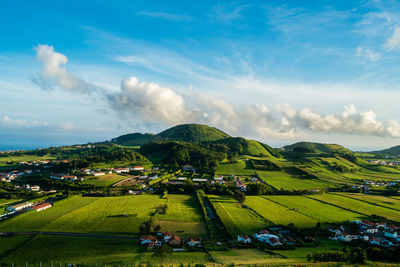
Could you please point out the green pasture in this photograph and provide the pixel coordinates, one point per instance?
(315, 209)
(358, 206)
(236, 217)
(279, 214)
(104, 180)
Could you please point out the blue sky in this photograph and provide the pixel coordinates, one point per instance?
(275, 71)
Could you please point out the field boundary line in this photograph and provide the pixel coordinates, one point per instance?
(20, 246)
(309, 216)
(371, 203)
(322, 201)
(66, 214)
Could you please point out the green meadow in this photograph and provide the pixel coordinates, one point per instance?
(237, 218)
(359, 206)
(104, 180)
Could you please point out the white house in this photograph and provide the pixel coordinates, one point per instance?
(194, 241)
(19, 206)
(243, 239)
(42, 206)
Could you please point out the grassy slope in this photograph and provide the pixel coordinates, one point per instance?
(34, 221)
(237, 220)
(102, 215)
(278, 214)
(183, 214)
(104, 180)
(389, 202)
(315, 209)
(358, 206)
(241, 167)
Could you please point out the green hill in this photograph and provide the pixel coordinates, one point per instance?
(196, 133)
(393, 151)
(134, 139)
(243, 146)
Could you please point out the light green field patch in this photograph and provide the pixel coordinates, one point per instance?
(315, 209)
(236, 218)
(74, 250)
(241, 167)
(105, 215)
(388, 202)
(104, 180)
(278, 214)
(247, 257)
(35, 221)
(300, 253)
(183, 208)
(358, 206)
(281, 179)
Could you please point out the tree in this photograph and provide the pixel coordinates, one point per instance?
(163, 252)
(157, 227)
(239, 196)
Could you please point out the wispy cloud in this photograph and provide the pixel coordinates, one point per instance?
(165, 15)
(393, 43)
(367, 53)
(226, 13)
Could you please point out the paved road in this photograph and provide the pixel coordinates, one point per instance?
(72, 234)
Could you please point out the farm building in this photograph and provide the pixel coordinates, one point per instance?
(199, 180)
(138, 168)
(243, 239)
(148, 240)
(194, 241)
(174, 240)
(121, 170)
(42, 206)
(19, 206)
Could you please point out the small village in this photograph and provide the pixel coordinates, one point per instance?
(374, 233)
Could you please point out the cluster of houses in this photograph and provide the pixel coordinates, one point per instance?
(239, 184)
(9, 176)
(274, 236)
(385, 162)
(70, 178)
(173, 240)
(98, 172)
(375, 233)
(381, 183)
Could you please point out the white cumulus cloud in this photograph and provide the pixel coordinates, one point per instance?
(53, 74)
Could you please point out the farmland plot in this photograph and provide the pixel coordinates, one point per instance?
(358, 206)
(278, 214)
(315, 209)
(236, 218)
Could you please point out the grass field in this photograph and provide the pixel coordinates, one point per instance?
(104, 180)
(300, 253)
(103, 215)
(241, 167)
(237, 219)
(34, 221)
(183, 213)
(281, 179)
(358, 206)
(248, 256)
(278, 214)
(388, 202)
(74, 250)
(315, 209)
(17, 159)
